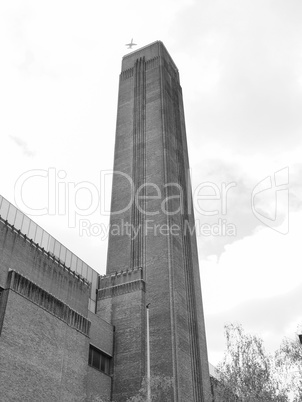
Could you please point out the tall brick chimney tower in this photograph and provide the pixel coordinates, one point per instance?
(152, 251)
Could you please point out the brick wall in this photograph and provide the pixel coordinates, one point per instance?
(125, 294)
(101, 334)
(46, 328)
(42, 358)
(18, 253)
(151, 148)
(98, 386)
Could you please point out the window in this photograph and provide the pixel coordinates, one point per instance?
(99, 360)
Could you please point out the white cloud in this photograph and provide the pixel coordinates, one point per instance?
(259, 266)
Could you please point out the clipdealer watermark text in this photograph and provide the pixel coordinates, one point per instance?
(151, 228)
(78, 202)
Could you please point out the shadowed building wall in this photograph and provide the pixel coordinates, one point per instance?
(152, 229)
(46, 327)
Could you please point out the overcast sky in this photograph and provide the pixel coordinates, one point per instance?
(240, 66)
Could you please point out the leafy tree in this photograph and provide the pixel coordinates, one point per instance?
(247, 373)
(288, 360)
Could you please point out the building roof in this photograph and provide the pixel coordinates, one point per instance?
(22, 223)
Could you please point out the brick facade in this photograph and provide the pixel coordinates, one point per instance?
(151, 148)
(46, 328)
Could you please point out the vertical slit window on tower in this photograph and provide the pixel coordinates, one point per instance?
(99, 360)
(1, 294)
(1, 308)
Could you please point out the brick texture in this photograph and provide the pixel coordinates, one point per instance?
(123, 295)
(23, 256)
(42, 358)
(46, 328)
(151, 148)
